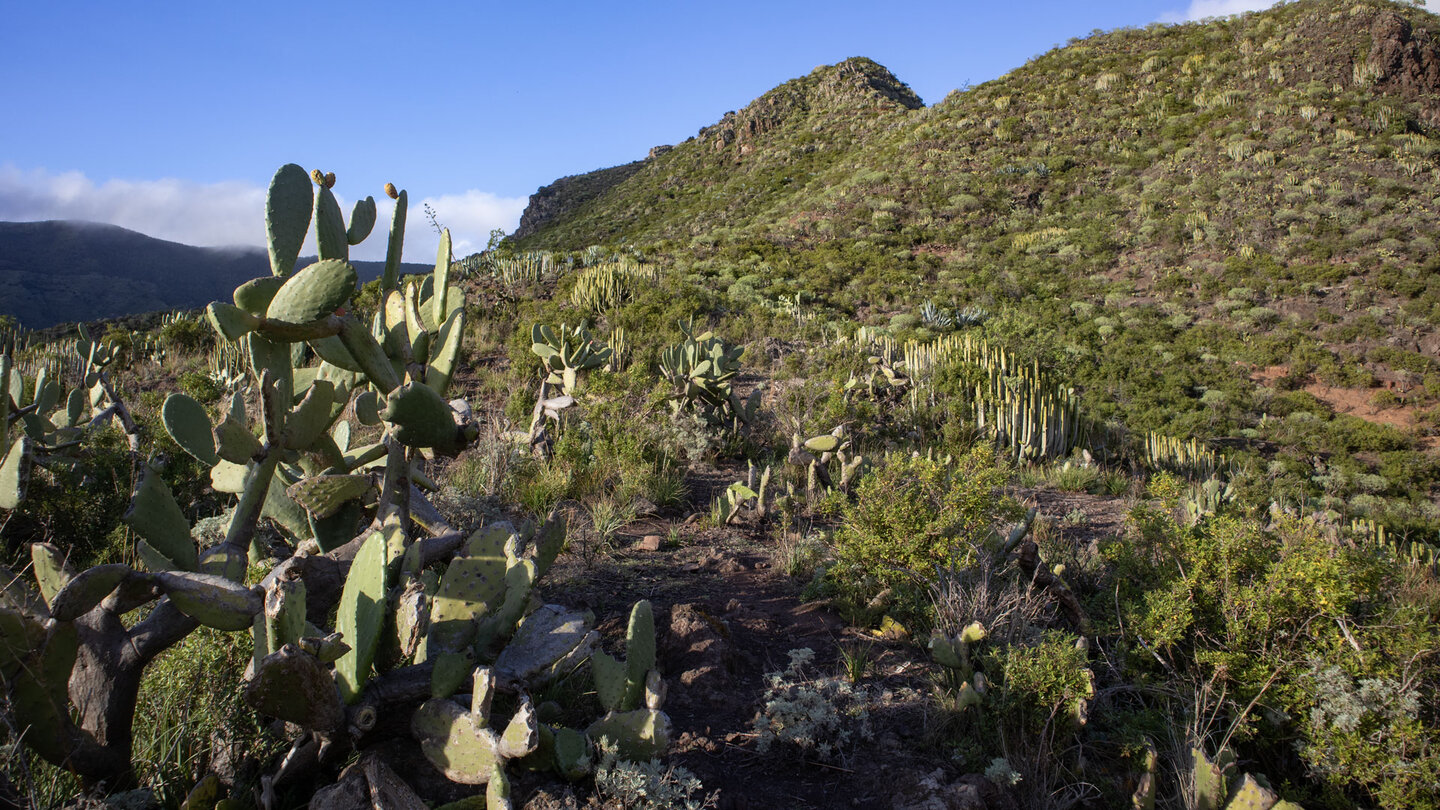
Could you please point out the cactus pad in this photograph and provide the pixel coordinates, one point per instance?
(312, 417)
(85, 590)
(445, 351)
(330, 236)
(314, 292)
(292, 685)
(1249, 794)
(422, 419)
(362, 221)
(391, 277)
(287, 217)
(638, 736)
(639, 652)
(456, 742)
(188, 424)
(323, 495)
(546, 637)
(361, 615)
(213, 601)
(254, 296)
(51, 572)
(234, 442)
(15, 471)
(471, 588)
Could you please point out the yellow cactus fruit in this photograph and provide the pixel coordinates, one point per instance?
(391, 192)
(318, 177)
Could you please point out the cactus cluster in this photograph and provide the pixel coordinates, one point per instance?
(1219, 787)
(40, 421)
(701, 370)
(603, 286)
(952, 653)
(816, 455)
(566, 352)
(1411, 549)
(1188, 457)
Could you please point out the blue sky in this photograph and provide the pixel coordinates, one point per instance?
(170, 118)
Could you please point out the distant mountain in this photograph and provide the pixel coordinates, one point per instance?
(56, 272)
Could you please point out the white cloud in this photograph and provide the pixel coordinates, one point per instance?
(470, 216)
(216, 214)
(233, 213)
(1200, 9)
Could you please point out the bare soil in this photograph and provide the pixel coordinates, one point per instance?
(726, 615)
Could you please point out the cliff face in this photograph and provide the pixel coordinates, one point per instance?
(568, 194)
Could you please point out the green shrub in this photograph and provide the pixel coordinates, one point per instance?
(200, 386)
(912, 514)
(186, 335)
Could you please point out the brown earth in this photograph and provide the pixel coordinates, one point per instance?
(1357, 402)
(726, 614)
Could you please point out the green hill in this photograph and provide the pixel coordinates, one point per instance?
(1260, 189)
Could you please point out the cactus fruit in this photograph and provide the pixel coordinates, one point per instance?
(391, 192)
(361, 616)
(287, 217)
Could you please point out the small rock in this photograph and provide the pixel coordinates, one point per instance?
(650, 542)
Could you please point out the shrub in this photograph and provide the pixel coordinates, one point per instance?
(913, 514)
(186, 335)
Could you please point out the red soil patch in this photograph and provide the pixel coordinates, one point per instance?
(1356, 402)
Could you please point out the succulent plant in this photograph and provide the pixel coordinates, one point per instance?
(701, 370)
(565, 352)
(1217, 787)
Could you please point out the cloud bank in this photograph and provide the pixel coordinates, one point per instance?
(1200, 9)
(233, 213)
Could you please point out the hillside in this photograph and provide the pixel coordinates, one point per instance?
(57, 272)
(1262, 189)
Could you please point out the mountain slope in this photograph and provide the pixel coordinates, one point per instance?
(54, 272)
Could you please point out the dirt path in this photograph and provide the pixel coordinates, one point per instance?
(725, 616)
